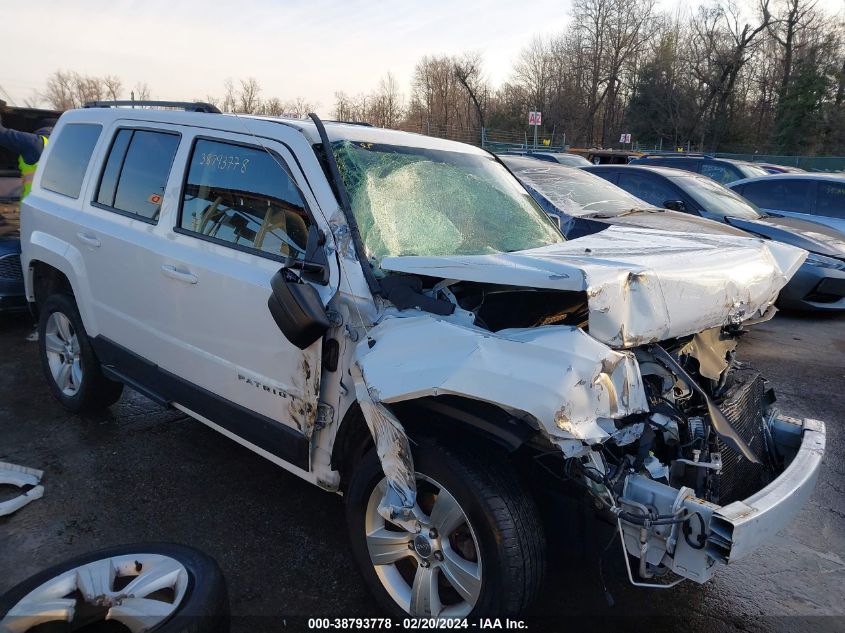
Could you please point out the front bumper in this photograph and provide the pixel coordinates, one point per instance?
(732, 531)
(739, 528)
(814, 288)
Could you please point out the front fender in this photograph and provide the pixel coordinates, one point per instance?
(570, 383)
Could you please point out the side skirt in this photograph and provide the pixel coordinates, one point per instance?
(272, 439)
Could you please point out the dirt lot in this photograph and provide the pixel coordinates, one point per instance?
(144, 473)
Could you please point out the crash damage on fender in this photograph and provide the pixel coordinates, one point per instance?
(619, 350)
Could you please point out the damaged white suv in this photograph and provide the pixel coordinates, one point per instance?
(444, 357)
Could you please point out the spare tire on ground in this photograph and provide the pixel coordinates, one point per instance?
(156, 587)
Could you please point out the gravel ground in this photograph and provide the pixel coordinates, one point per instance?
(143, 473)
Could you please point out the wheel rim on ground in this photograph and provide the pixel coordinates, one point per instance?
(436, 573)
(138, 590)
(63, 354)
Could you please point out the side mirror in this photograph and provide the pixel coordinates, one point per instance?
(675, 205)
(315, 263)
(297, 309)
(555, 220)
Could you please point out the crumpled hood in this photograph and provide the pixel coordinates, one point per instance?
(642, 285)
(806, 234)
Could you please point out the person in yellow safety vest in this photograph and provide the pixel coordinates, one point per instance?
(28, 146)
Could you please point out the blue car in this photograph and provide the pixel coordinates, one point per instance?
(11, 276)
(819, 284)
(816, 197)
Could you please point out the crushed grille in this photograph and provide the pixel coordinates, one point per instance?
(10, 267)
(744, 406)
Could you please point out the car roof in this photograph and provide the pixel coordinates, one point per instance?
(668, 172)
(525, 163)
(793, 176)
(265, 126)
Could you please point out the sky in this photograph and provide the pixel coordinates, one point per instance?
(187, 49)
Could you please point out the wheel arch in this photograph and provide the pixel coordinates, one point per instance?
(48, 271)
(447, 419)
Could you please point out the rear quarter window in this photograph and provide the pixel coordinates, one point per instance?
(831, 199)
(780, 194)
(69, 157)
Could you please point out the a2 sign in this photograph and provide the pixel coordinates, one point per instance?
(535, 118)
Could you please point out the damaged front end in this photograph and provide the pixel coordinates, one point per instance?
(710, 471)
(679, 444)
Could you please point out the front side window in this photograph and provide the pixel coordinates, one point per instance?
(647, 187)
(244, 196)
(419, 201)
(779, 194)
(69, 158)
(831, 199)
(136, 172)
(717, 199)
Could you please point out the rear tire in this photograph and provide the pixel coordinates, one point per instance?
(69, 363)
(503, 525)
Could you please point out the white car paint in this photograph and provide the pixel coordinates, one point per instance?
(643, 285)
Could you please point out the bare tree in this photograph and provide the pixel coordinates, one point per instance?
(60, 91)
(229, 102)
(142, 91)
(469, 72)
(248, 100)
(113, 87)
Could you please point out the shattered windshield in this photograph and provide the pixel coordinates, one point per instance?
(576, 192)
(418, 201)
(718, 199)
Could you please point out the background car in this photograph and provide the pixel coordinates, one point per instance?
(818, 285)
(585, 203)
(563, 158)
(723, 170)
(816, 197)
(773, 168)
(12, 296)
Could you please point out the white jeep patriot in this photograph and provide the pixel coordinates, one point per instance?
(391, 316)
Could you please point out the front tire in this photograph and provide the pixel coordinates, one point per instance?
(481, 552)
(70, 366)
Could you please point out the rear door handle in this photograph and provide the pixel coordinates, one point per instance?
(179, 274)
(89, 239)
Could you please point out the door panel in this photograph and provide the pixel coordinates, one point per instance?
(243, 214)
(120, 241)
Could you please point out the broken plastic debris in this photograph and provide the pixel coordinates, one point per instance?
(20, 476)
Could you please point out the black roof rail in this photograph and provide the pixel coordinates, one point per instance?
(361, 123)
(187, 106)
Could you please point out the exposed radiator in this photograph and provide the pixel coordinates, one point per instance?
(744, 406)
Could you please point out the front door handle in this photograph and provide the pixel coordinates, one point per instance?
(179, 274)
(87, 238)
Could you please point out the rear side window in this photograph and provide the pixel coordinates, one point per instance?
(244, 197)
(69, 158)
(831, 199)
(779, 194)
(647, 187)
(136, 173)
